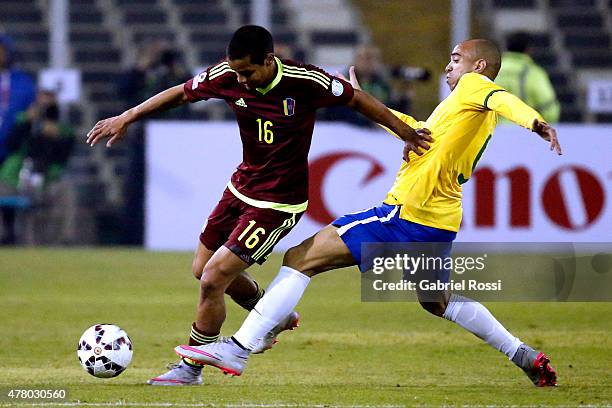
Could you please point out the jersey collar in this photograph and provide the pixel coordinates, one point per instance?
(276, 80)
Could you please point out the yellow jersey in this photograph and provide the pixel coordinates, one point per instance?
(428, 187)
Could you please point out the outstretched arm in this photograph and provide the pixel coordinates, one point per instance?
(373, 109)
(407, 119)
(547, 133)
(512, 108)
(114, 128)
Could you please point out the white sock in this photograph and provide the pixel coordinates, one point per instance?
(475, 318)
(282, 295)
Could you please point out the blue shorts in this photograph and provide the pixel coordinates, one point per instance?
(383, 225)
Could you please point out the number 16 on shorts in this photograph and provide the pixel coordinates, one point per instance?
(258, 238)
(253, 239)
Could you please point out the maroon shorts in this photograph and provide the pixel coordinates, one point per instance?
(249, 232)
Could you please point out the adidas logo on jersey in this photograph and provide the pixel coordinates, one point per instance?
(240, 102)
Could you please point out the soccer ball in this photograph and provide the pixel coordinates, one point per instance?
(104, 350)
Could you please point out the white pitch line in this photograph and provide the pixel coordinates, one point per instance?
(178, 404)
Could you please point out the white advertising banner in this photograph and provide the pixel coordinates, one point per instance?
(521, 191)
(65, 82)
(599, 95)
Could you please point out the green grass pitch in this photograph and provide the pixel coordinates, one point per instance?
(345, 353)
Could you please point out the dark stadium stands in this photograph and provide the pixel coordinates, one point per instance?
(105, 36)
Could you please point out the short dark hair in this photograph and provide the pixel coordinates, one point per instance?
(518, 42)
(250, 41)
(487, 50)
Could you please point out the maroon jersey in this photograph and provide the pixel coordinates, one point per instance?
(276, 124)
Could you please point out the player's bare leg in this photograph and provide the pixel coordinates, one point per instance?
(243, 291)
(200, 259)
(220, 271)
(322, 252)
(476, 318)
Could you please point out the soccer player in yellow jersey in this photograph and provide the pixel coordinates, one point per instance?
(424, 205)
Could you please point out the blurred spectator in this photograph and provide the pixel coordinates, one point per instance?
(403, 80)
(372, 74)
(39, 146)
(284, 51)
(133, 83)
(17, 92)
(158, 68)
(392, 85)
(374, 79)
(524, 78)
(287, 51)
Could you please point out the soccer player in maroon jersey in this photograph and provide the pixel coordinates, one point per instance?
(275, 104)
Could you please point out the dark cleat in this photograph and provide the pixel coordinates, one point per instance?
(536, 365)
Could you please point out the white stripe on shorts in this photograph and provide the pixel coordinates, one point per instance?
(347, 227)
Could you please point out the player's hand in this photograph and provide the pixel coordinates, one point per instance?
(352, 78)
(419, 139)
(547, 133)
(113, 129)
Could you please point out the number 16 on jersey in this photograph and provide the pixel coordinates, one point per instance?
(265, 131)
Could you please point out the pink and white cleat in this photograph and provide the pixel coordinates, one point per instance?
(291, 322)
(224, 354)
(180, 374)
